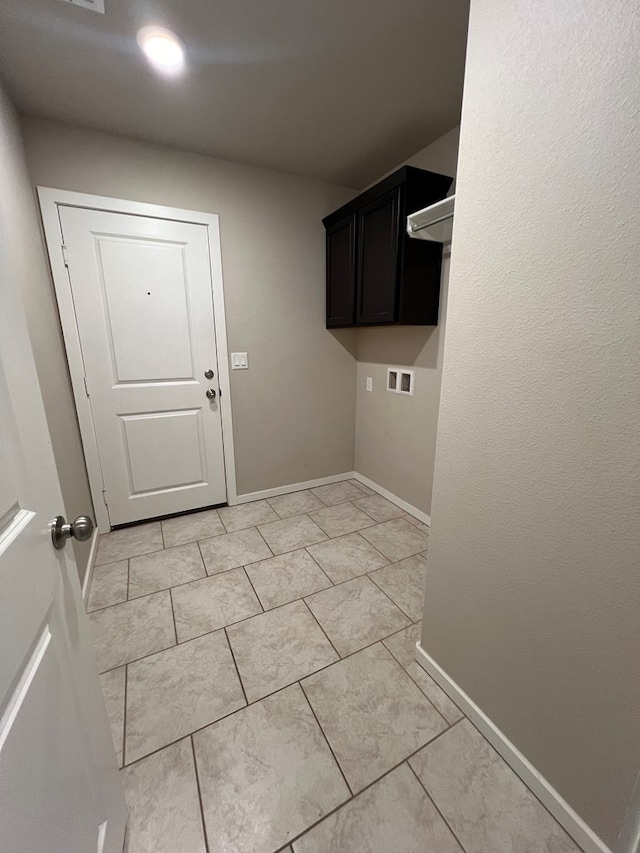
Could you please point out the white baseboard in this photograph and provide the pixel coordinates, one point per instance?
(91, 561)
(581, 833)
(407, 507)
(294, 487)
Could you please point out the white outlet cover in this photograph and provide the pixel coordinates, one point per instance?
(94, 5)
(239, 361)
(369, 385)
(400, 380)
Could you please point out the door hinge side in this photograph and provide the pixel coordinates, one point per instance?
(86, 387)
(104, 495)
(65, 255)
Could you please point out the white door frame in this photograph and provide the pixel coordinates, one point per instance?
(50, 200)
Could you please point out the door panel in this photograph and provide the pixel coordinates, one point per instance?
(151, 337)
(144, 308)
(59, 785)
(378, 260)
(150, 439)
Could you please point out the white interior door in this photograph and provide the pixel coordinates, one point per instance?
(144, 309)
(59, 785)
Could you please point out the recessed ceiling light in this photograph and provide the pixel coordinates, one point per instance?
(163, 49)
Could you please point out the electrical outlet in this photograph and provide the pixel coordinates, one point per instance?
(369, 383)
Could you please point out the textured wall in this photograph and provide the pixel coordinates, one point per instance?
(294, 408)
(396, 436)
(533, 597)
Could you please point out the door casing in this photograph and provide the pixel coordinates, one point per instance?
(50, 200)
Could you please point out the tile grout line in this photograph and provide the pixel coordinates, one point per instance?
(313, 615)
(268, 695)
(326, 739)
(198, 788)
(331, 582)
(258, 599)
(384, 592)
(173, 617)
(361, 791)
(235, 663)
(408, 674)
(246, 619)
(435, 805)
(124, 715)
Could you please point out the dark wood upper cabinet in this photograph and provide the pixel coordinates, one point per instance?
(376, 273)
(341, 266)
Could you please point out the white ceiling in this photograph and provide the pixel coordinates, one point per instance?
(340, 90)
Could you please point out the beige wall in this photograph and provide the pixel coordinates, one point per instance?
(533, 591)
(294, 409)
(395, 435)
(29, 267)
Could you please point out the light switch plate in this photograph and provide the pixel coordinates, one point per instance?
(369, 383)
(239, 361)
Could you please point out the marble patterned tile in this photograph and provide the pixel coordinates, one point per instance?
(337, 493)
(295, 503)
(281, 766)
(482, 799)
(405, 582)
(424, 528)
(403, 644)
(403, 647)
(379, 508)
(291, 533)
(277, 648)
(131, 630)
(396, 539)
(393, 814)
(175, 692)
(113, 683)
(355, 614)
(232, 550)
(191, 527)
(214, 602)
(372, 713)
(164, 569)
(434, 693)
(246, 515)
(361, 486)
(286, 578)
(108, 585)
(129, 542)
(164, 808)
(341, 519)
(347, 557)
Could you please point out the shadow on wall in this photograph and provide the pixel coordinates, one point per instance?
(347, 338)
(407, 345)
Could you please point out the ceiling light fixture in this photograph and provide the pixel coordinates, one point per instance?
(163, 49)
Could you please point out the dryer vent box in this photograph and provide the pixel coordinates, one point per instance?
(94, 5)
(400, 381)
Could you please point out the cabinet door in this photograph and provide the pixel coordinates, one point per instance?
(378, 260)
(341, 273)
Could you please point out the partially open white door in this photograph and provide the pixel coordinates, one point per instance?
(142, 295)
(59, 785)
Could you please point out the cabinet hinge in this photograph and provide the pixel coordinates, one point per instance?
(65, 255)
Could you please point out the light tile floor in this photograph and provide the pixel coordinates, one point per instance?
(259, 675)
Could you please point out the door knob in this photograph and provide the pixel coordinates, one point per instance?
(208, 374)
(211, 394)
(81, 529)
